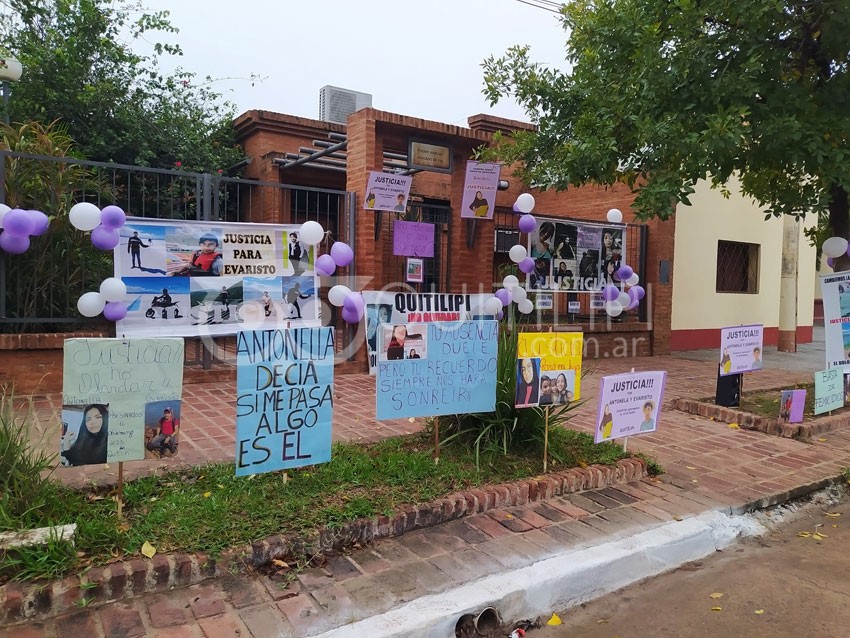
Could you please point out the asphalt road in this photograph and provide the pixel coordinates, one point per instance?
(779, 585)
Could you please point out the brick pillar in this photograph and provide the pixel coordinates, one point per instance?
(364, 154)
(660, 244)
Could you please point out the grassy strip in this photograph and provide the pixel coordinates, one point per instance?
(766, 403)
(208, 509)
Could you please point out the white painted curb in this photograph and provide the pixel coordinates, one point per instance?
(560, 582)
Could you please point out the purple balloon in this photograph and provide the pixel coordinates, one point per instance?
(504, 296)
(632, 304)
(350, 315)
(831, 262)
(624, 272)
(104, 238)
(112, 217)
(848, 250)
(325, 265)
(40, 222)
(342, 254)
(501, 315)
(14, 244)
(355, 302)
(114, 311)
(18, 222)
(526, 265)
(517, 210)
(527, 223)
(638, 292)
(610, 293)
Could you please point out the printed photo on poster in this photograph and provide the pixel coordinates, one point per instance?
(791, 405)
(563, 274)
(835, 289)
(560, 356)
(387, 191)
(403, 341)
(541, 276)
(193, 251)
(415, 270)
(141, 251)
(612, 253)
(557, 387)
(527, 382)
(262, 301)
(162, 429)
(151, 302)
(300, 296)
(85, 434)
(298, 259)
(629, 404)
(479, 190)
(376, 314)
(741, 349)
(215, 301)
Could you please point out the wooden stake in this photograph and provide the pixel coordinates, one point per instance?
(546, 442)
(285, 477)
(436, 440)
(120, 497)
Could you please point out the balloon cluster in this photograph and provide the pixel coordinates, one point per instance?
(109, 301)
(519, 255)
(352, 303)
(103, 224)
(18, 226)
(616, 298)
(833, 248)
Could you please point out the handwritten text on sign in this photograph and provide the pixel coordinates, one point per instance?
(458, 376)
(284, 404)
(124, 374)
(829, 390)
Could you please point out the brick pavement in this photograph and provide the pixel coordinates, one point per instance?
(708, 465)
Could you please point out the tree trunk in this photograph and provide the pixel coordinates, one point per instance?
(839, 222)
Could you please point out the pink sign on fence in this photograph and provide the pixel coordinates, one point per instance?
(413, 239)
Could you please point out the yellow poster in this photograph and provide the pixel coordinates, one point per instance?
(560, 364)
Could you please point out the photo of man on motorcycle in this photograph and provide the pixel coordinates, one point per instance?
(165, 302)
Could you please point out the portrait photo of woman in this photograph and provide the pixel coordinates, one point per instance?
(92, 438)
(528, 383)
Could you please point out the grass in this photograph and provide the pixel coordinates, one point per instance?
(766, 403)
(209, 509)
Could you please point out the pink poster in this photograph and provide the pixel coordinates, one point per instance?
(479, 190)
(413, 239)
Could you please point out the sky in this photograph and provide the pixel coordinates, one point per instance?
(416, 58)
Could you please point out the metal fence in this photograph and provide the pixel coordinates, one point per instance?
(39, 290)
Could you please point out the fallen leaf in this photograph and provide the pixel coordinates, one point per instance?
(694, 481)
(554, 620)
(124, 527)
(821, 439)
(690, 467)
(716, 594)
(734, 426)
(411, 420)
(717, 609)
(676, 517)
(804, 534)
(220, 486)
(833, 514)
(835, 526)
(818, 536)
(279, 563)
(758, 612)
(602, 621)
(207, 494)
(148, 550)
(509, 516)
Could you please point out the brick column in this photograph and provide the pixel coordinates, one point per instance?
(660, 248)
(364, 154)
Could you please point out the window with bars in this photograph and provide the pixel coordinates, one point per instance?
(737, 267)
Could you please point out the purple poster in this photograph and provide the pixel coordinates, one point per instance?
(479, 190)
(387, 191)
(413, 239)
(791, 404)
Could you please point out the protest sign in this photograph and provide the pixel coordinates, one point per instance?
(629, 404)
(189, 278)
(741, 349)
(479, 190)
(413, 239)
(430, 369)
(835, 290)
(112, 391)
(387, 191)
(829, 390)
(560, 363)
(791, 404)
(384, 307)
(284, 403)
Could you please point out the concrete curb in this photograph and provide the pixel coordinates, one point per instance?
(560, 582)
(134, 577)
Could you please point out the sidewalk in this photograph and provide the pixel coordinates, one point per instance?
(708, 465)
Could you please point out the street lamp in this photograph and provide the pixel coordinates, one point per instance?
(10, 71)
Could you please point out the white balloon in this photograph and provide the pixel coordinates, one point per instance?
(525, 203)
(3, 210)
(113, 289)
(84, 216)
(615, 216)
(517, 253)
(525, 306)
(311, 233)
(492, 306)
(91, 304)
(614, 308)
(510, 282)
(623, 299)
(519, 294)
(634, 280)
(835, 247)
(337, 295)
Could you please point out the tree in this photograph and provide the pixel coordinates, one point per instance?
(80, 68)
(664, 93)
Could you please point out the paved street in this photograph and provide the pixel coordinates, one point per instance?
(780, 585)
